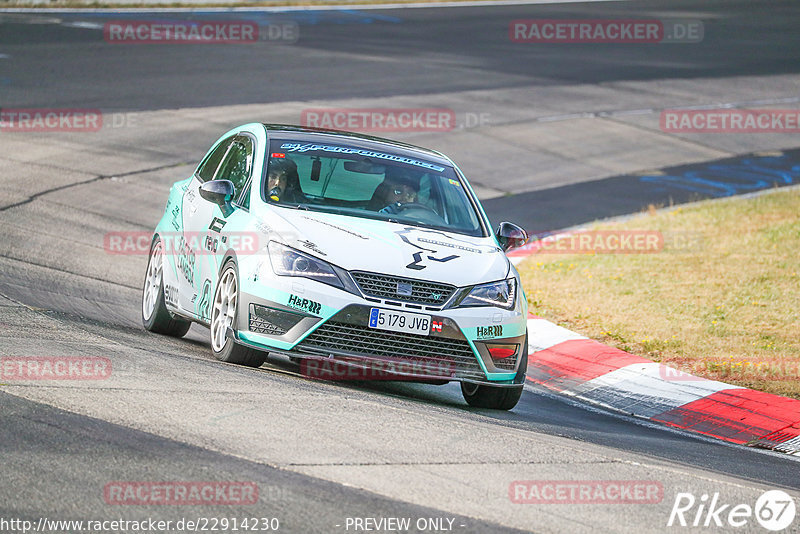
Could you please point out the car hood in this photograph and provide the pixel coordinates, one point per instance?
(358, 244)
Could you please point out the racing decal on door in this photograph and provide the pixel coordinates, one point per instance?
(176, 214)
(171, 295)
(204, 306)
(186, 260)
(217, 224)
(211, 244)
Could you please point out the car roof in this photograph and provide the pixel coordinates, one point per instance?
(302, 133)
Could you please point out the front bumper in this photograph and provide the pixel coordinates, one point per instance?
(344, 339)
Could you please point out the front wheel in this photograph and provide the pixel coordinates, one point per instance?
(498, 398)
(155, 315)
(223, 316)
(491, 397)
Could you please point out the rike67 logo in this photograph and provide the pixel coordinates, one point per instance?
(774, 510)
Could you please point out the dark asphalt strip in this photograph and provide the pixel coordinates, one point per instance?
(57, 463)
(363, 54)
(548, 210)
(557, 415)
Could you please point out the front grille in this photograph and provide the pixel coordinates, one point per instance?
(506, 364)
(262, 326)
(385, 287)
(433, 352)
(264, 320)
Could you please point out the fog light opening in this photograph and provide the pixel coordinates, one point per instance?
(501, 352)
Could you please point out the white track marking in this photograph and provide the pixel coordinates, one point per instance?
(86, 25)
(542, 334)
(645, 389)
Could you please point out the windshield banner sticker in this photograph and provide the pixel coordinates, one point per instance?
(305, 147)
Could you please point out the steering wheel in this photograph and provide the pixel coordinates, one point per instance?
(403, 206)
(421, 211)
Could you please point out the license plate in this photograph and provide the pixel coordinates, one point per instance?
(397, 321)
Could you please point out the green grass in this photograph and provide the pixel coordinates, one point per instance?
(721, 300)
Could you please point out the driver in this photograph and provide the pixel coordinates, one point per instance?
(402, 192)
(399, 187)
(398, 193)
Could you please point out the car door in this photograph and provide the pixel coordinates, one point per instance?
(206, 222)
(197, 212)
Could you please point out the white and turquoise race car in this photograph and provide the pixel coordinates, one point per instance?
(341, 251)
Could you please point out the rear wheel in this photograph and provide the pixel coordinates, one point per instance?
(155, 315)
(224, 311)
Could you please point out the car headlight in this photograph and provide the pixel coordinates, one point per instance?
(501, 294)
(289, 262)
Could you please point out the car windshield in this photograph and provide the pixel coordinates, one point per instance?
(369, 184)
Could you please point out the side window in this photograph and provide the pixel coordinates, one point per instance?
(209, 166)
(238, 165)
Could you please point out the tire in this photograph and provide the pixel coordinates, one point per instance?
(494, 397)
(491, 397)
(155, 315)
(224, 311)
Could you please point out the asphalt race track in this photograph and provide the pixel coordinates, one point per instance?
(563, 126)
(366, 53)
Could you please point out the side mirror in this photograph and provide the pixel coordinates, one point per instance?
(511, 236)
(219, 192)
